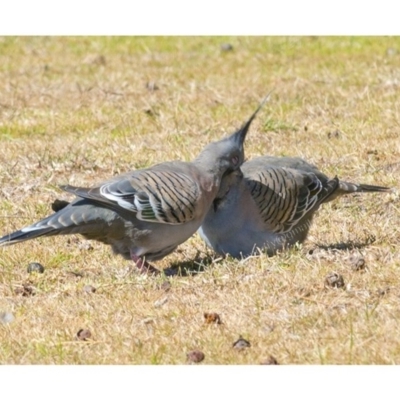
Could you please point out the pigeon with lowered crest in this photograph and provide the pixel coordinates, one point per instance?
(268, 204)
(145, 214)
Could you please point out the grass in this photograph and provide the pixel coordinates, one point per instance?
(78, 110)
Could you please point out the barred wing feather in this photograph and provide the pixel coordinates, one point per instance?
(284, 196)
(154, 195)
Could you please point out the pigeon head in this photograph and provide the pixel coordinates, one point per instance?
(227, 155)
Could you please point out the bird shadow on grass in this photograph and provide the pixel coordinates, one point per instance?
(348, 245)
(199, 263)
(191, 267)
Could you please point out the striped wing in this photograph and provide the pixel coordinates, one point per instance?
(161, 196)
(284, 195)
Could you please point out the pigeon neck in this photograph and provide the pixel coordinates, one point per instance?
(210, 171)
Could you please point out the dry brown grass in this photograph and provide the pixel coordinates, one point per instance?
(79, 110)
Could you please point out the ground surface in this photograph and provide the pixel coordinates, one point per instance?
(79, 110)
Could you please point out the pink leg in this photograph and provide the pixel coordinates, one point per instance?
(144, 266)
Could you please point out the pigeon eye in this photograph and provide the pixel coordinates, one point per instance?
(235, 160)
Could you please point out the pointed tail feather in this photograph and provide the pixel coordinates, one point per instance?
(372, 188)
(30, 232)
(348, 188)
(81, 217)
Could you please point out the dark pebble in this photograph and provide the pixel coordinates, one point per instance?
(35, 267)
(241, 344)
(226, 47)
(195, 356)
(334, 280)
(358, 264)
(271, 360)
(83, 334)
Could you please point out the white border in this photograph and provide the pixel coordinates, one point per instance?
(199, 382)
(205, 17)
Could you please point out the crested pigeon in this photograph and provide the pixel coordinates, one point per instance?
(268, 204)
(145, 214)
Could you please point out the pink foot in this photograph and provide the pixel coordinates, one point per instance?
(144, 266)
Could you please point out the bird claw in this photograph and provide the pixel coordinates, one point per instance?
(144, 267)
